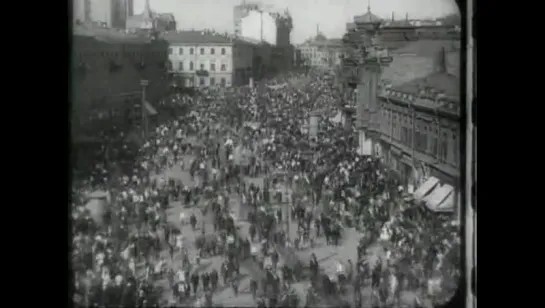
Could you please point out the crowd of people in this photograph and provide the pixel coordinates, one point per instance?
(231, 135)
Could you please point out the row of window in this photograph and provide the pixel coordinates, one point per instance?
(212, 81)
(180, 67)
(202, 51)
(429, 138)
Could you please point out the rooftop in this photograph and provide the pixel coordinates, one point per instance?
(441, 82)
(428, 48)
(197, 37)
(407, 67)
(367, 17)
(108, 34)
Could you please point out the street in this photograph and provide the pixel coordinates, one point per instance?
(225, 293)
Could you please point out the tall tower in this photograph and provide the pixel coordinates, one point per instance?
(82, 10)
(372, 59)
(129, 7)
(121, 11)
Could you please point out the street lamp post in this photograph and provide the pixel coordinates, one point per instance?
(144, 83)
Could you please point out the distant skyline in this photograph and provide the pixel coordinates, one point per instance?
(330, 15)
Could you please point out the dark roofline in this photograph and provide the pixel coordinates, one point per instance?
(408, 27)
(107, 35)
(441, 111)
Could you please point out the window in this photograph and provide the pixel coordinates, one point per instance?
(223, 82)
(223, 68)
(223, 51)
(433, 146)
(191, 65)
(201, 81)
(404, 135)
(455, 149)
(190, 51)
(202, 51)
(181, 66)
(202, 67)
(443, 150)
(423, 142)
(180, 51)
(213, 67)
(212, 51)
(212, 81)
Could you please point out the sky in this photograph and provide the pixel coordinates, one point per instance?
(330, 15)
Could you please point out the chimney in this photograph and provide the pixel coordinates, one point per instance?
(407, 17)
(393, 16)
(441, 61)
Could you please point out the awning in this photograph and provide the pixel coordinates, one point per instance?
(448, 204)
(439, 195)
(425, 188)
(149, 109)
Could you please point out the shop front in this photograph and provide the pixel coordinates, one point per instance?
(440, 193)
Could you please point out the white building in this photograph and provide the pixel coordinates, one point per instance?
(321, 52)
(81, 10)
(101, 11)
(259, 25)
(204, 58)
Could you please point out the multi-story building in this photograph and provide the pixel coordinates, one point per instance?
(108, 13)
(407, 110)
(321, 52)
(81, 11)
(122, 10)
(101, 12)
(419, 134)
(268, 25)
(205, 58)
(240, 11)
(108, 66)
(150, 20)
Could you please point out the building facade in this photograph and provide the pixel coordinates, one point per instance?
(321, 52)
(108, 13)
(411, 121)
(108, 66)
(81, 11)
(260, 26)
(203, 59)
(150, 20)
(239, 12)
(101, 12)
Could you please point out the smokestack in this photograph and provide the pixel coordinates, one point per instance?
(407, 17)
(393, 16)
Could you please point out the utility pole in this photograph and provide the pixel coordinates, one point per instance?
(144, 83)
